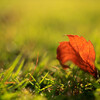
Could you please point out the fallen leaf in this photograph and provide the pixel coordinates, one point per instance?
(79, 51)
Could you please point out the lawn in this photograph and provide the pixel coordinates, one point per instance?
(30, 32)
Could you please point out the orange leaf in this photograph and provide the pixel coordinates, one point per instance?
(80, 52)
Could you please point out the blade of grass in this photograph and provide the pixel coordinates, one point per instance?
(32, 77)
(1, 74)
(37, 86)
(19, 68)
(31, 83)
(21, 83)
(25, 84)
(46, 87)
(9, 71)
(43, 78)
(9, 83)
(35, 66)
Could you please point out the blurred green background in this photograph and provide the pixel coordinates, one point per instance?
(37, 26)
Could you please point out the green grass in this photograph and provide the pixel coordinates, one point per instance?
(31, 30)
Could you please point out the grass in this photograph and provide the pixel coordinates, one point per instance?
(29, 36)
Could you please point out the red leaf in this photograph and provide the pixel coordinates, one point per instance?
(80, 52)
